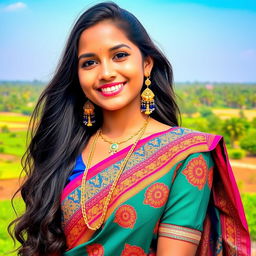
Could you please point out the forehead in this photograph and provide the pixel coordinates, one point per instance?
(102, 36)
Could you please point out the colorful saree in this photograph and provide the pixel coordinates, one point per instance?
(178, 184)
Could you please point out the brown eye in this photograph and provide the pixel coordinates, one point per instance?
(121, 55)
(88, 63)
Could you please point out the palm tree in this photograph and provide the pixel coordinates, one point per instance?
(234, 128)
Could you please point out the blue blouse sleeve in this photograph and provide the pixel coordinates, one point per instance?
(78, 168)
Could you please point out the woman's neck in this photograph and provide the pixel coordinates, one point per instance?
(122, 123)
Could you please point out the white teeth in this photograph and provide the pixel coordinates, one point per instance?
(112, 88)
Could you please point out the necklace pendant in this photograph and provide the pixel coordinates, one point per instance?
(113, 148)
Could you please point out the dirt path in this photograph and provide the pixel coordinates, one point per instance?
(7, 157)
(8, 187)
(245, 174)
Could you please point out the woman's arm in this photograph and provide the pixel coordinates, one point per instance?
(181, 224)
(172, 247)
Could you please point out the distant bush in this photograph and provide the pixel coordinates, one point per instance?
(5, 129)
(248, 142)
(234, 128)
(26, 111)
(236, 153)
(253, 122)
(1, 149)
(205, 112)
(188, 108)
(249, 202)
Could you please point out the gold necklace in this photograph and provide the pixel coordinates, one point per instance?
(114, 145)
(112, 188)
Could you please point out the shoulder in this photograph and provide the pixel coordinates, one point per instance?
(183, 133)
(156, 127)
(183, 140)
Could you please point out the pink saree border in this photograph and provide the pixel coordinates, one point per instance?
(94, 170)
(231, 193)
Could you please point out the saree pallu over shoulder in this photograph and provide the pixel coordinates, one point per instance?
(225, 227)
(136, 213)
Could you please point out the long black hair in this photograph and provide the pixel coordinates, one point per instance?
(57, 134)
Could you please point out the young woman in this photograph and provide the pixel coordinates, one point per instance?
(109, 171)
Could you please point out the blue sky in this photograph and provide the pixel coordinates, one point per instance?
(211, 41)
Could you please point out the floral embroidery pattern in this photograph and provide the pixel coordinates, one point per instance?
(133, 250)
(95, 250)
(156, 195)
(210, 177)
(125, 216)
(196, 172)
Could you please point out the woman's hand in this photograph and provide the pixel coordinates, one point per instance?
(172, 247)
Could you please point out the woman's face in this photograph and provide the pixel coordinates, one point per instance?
(111, 69)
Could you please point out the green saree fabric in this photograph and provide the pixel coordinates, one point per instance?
(167, 189)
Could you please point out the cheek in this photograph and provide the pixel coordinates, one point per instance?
(133, 71)
(86, 80)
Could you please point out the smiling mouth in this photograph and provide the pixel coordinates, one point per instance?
(112, 89)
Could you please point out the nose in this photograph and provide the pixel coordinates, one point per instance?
(107, 71)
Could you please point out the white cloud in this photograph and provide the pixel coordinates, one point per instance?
(15, 7)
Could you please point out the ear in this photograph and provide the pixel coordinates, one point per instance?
(148, 65)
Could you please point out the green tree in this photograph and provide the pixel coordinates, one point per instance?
(253, 122)
(248, 142)
(234, 128)
(188, 109)
(205, 112)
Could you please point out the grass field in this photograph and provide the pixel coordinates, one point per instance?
(13, 117)
(9, 170)
(12, 147)
(229, 112)
(14, 121)
(12, 143)
(6, 216)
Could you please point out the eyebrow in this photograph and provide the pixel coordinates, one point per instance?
(90, 54)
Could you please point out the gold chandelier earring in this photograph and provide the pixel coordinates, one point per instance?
(89, 114)
(147, 99)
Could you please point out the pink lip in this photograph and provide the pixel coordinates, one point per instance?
(109, 85)
(113, 93)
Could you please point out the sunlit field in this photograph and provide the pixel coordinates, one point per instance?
(228, 113)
